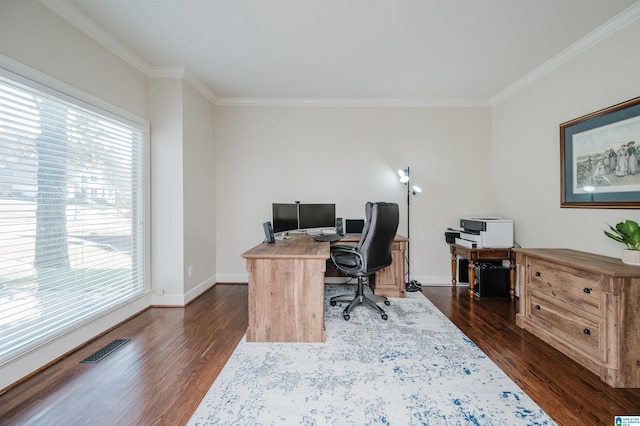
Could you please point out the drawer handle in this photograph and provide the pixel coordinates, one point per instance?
(538, 274)
(587, 290)
(587, 331)
(538, 307)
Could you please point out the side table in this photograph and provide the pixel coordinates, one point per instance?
(473, 255)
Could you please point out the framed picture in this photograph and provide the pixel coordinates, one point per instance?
(599, 158)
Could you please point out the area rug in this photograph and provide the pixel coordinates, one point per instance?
(416, 368)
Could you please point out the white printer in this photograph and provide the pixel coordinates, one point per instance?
(487, 232)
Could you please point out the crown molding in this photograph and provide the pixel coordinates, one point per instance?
(183, 73)
(93, 30)
(614, 25)
(200, 86)
(354, 102)
(167, 72)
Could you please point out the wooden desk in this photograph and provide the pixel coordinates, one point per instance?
(478, 254)
(286, 287)
(286, 290)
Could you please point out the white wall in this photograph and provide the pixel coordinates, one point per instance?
(199, 193)
(183, 192)
(350, 156)
(167, 203)
(526, 145)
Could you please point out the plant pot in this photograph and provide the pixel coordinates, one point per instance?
(631, 257)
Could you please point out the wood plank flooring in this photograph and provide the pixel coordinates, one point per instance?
(160, 376)
(567, 392)
(157, 378)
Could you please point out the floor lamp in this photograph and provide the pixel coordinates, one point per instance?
(405, 178)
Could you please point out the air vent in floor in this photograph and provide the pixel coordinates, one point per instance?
(101, 354)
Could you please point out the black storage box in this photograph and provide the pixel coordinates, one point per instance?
(491, 280)
(463, 268)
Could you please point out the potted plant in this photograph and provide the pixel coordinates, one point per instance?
(627, 233)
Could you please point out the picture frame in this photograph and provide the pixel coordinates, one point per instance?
(600, 158)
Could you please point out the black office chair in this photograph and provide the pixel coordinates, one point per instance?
(372, 254)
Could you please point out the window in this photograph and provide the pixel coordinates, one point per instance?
(72, 243)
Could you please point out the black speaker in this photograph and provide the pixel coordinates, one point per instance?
(339, 228)
(268, 233)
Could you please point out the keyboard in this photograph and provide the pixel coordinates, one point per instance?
(327, 237)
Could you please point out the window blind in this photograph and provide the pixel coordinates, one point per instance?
(71, 214)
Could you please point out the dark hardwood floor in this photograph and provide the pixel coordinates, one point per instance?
(157, 378)
(567, 392)
(160, 376)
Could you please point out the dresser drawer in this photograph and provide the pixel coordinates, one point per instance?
(585, 332)
(579, 288)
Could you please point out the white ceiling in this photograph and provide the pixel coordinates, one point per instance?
(410, 50)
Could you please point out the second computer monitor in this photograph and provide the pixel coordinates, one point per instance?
(316, 216)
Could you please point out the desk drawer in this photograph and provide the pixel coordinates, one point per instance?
(585, 332)
(576, 287)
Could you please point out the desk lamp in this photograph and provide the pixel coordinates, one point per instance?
(405, 178)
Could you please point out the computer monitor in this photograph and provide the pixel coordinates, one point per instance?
(285, 217)
(316, 216)
(354, 226)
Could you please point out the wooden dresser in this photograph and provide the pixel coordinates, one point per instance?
(586, 306)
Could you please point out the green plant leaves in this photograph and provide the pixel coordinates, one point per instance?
(627, 233)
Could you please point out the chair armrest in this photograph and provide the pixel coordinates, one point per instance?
(347, 259)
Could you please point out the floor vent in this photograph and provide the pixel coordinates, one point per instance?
(101, 354)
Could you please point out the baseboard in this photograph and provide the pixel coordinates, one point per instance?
(232, 278)
(180, 300)
(199, 289)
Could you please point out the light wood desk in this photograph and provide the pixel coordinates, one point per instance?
(286, 287)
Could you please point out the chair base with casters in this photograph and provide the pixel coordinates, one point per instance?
(360, 299)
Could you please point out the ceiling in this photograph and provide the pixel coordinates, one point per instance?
(405, 50)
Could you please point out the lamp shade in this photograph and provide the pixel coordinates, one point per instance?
(404, 177)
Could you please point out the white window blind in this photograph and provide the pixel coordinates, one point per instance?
(71, 214)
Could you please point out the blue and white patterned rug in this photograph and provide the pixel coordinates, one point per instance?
(416, 368)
